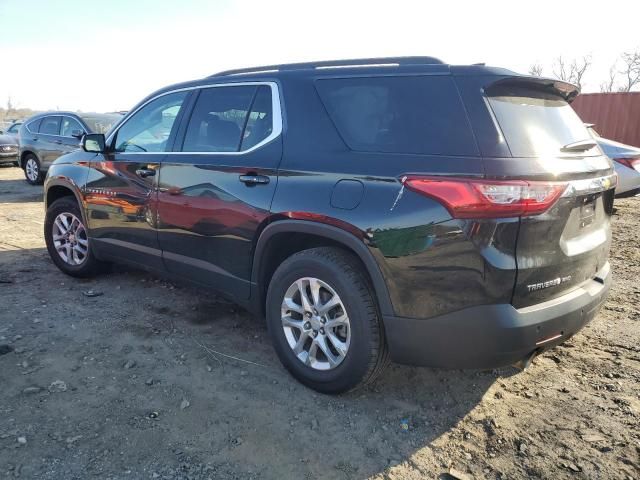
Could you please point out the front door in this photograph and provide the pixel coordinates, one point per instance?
(70, 134)
(121, 193)
(215, 189)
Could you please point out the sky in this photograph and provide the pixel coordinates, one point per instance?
(107, 55)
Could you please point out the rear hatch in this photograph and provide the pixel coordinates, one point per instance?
(558, 250)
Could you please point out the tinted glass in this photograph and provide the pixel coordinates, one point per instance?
(101, 123)
(34, 126)
(14, 128)
(218, 119)
(69, 125)
(148, 130)
(418, 114)
(260, 121)
(536, 123)
(50, 125)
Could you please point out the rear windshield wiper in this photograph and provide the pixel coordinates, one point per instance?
(579, 146)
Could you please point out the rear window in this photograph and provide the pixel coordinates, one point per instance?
(536, 123)
(413, 114)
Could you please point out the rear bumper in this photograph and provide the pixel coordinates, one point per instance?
(491, 336)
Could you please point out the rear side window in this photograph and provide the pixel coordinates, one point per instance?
(414, 114)
(50, 125)
(535, 122)
(229, 119)
(34, 126)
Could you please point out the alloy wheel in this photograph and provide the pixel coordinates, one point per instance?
(70, 239)
(315, 323)
(32, 170)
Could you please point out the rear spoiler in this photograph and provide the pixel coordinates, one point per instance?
(566, 90)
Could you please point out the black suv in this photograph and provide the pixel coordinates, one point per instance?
(402, 208)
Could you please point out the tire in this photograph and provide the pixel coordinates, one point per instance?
(337, 272)
(76, 264)
(32, 169)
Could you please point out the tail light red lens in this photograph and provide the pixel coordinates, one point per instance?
(471, 198)
(629, 162)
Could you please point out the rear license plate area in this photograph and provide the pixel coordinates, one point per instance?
(587, 211)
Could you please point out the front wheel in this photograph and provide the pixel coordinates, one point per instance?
(32, 170)
(323, 321)
(67, 241)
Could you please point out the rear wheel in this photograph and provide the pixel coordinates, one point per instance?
(323, 321)
(32, 169)
(67, 240)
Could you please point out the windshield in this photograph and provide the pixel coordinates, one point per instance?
(537, 123)
(101, 123)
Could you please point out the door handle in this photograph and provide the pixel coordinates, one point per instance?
(145, 172)
(57, 142)
(254, 179)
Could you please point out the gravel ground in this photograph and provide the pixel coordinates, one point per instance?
(130, 376)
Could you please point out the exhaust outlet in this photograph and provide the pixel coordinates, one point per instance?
(524, 363)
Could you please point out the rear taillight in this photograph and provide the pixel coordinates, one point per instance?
(470, 198)
(629, 162)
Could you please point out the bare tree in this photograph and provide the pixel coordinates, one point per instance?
(631, 70)
(609, 85)
(535, 70)
(573, 71)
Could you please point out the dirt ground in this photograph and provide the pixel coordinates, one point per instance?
(148, 379)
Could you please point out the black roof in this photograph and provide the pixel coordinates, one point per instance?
(355, 67)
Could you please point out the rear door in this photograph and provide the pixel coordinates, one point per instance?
(568, 245)
(121, 192)
(215, 189)
(49, 142)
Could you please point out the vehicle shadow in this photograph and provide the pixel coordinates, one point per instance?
(18, 190)
(244, 411)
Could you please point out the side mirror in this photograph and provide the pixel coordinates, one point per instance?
(93, 142)
(77, 134)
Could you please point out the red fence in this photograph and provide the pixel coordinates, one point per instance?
(616, 115)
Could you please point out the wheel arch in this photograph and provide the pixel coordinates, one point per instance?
(58, 188)
(301, 235)
(23, 156)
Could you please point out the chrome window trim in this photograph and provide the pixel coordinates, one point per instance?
(275, 106)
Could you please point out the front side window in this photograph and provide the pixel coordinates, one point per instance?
(148, 129)
(229, 119)
(14, 128)
(69, 126)
(50, 126)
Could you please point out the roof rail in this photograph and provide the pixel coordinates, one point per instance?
(355, 62)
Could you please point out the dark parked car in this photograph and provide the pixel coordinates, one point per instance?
(8, 149)
(46, 136)
(12, 130)
(451, 216)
